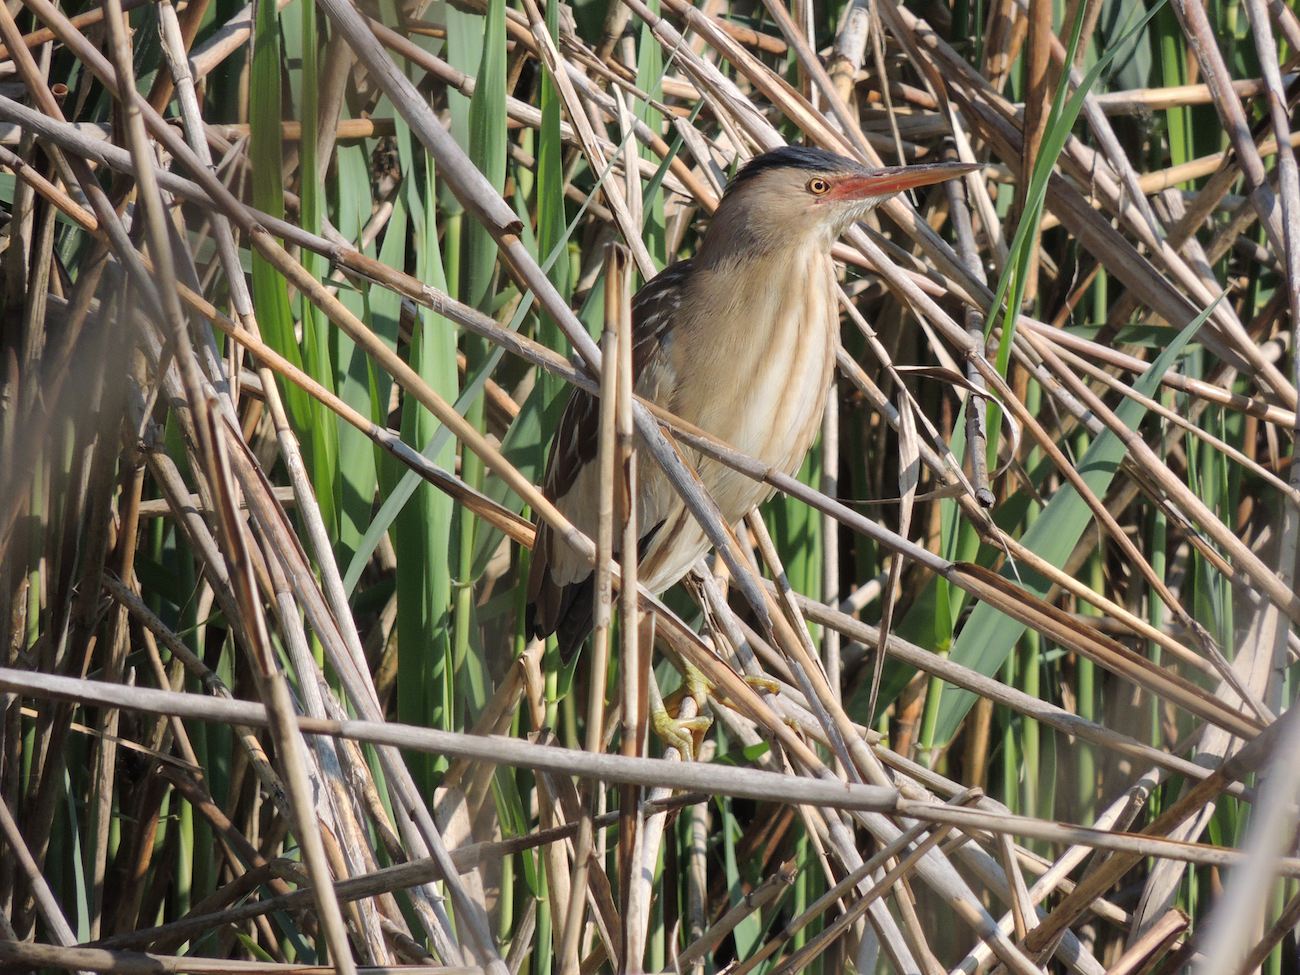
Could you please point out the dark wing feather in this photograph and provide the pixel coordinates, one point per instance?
(567, 610)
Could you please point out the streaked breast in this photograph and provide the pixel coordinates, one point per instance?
(757, 366)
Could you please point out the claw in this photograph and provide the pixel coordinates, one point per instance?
(684, 734)
(759, 682)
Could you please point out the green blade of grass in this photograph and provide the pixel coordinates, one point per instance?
(989, 636)
(301, 46)
(270, 298)
(487, 150)
(422, 528)
(1005, 307)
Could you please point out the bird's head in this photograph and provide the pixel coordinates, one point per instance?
(800, 196)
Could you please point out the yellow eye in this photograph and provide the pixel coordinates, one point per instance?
(818, 186)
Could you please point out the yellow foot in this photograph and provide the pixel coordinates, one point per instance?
(763, 684)
(684, 734)
(760, 683)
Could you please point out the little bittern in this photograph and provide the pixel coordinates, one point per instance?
(739, 341)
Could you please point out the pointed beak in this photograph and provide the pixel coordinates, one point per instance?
(895, 179)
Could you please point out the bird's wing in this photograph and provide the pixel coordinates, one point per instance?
(575, 443)
(559, 597)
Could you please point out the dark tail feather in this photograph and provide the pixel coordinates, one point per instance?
(567, 611)
(577, 616)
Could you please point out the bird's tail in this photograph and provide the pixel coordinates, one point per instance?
(564, 609)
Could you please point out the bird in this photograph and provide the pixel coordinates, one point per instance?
(738, 340)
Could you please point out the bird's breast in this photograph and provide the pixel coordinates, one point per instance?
(756, 365)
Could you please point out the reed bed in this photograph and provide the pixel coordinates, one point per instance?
(293, 296)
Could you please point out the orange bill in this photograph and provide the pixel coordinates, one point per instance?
(895, 179)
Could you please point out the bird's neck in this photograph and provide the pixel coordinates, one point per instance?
(736, 237)
(776, 261)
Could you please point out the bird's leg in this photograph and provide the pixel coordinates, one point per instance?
(694, 686)
(762, 683)
(681, 724)
(682, 728)
(709, 601)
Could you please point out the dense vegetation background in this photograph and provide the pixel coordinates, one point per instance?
(291, 298)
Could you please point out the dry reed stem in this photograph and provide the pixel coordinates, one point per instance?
(259, 559)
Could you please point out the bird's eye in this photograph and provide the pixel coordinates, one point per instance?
(818, 186)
